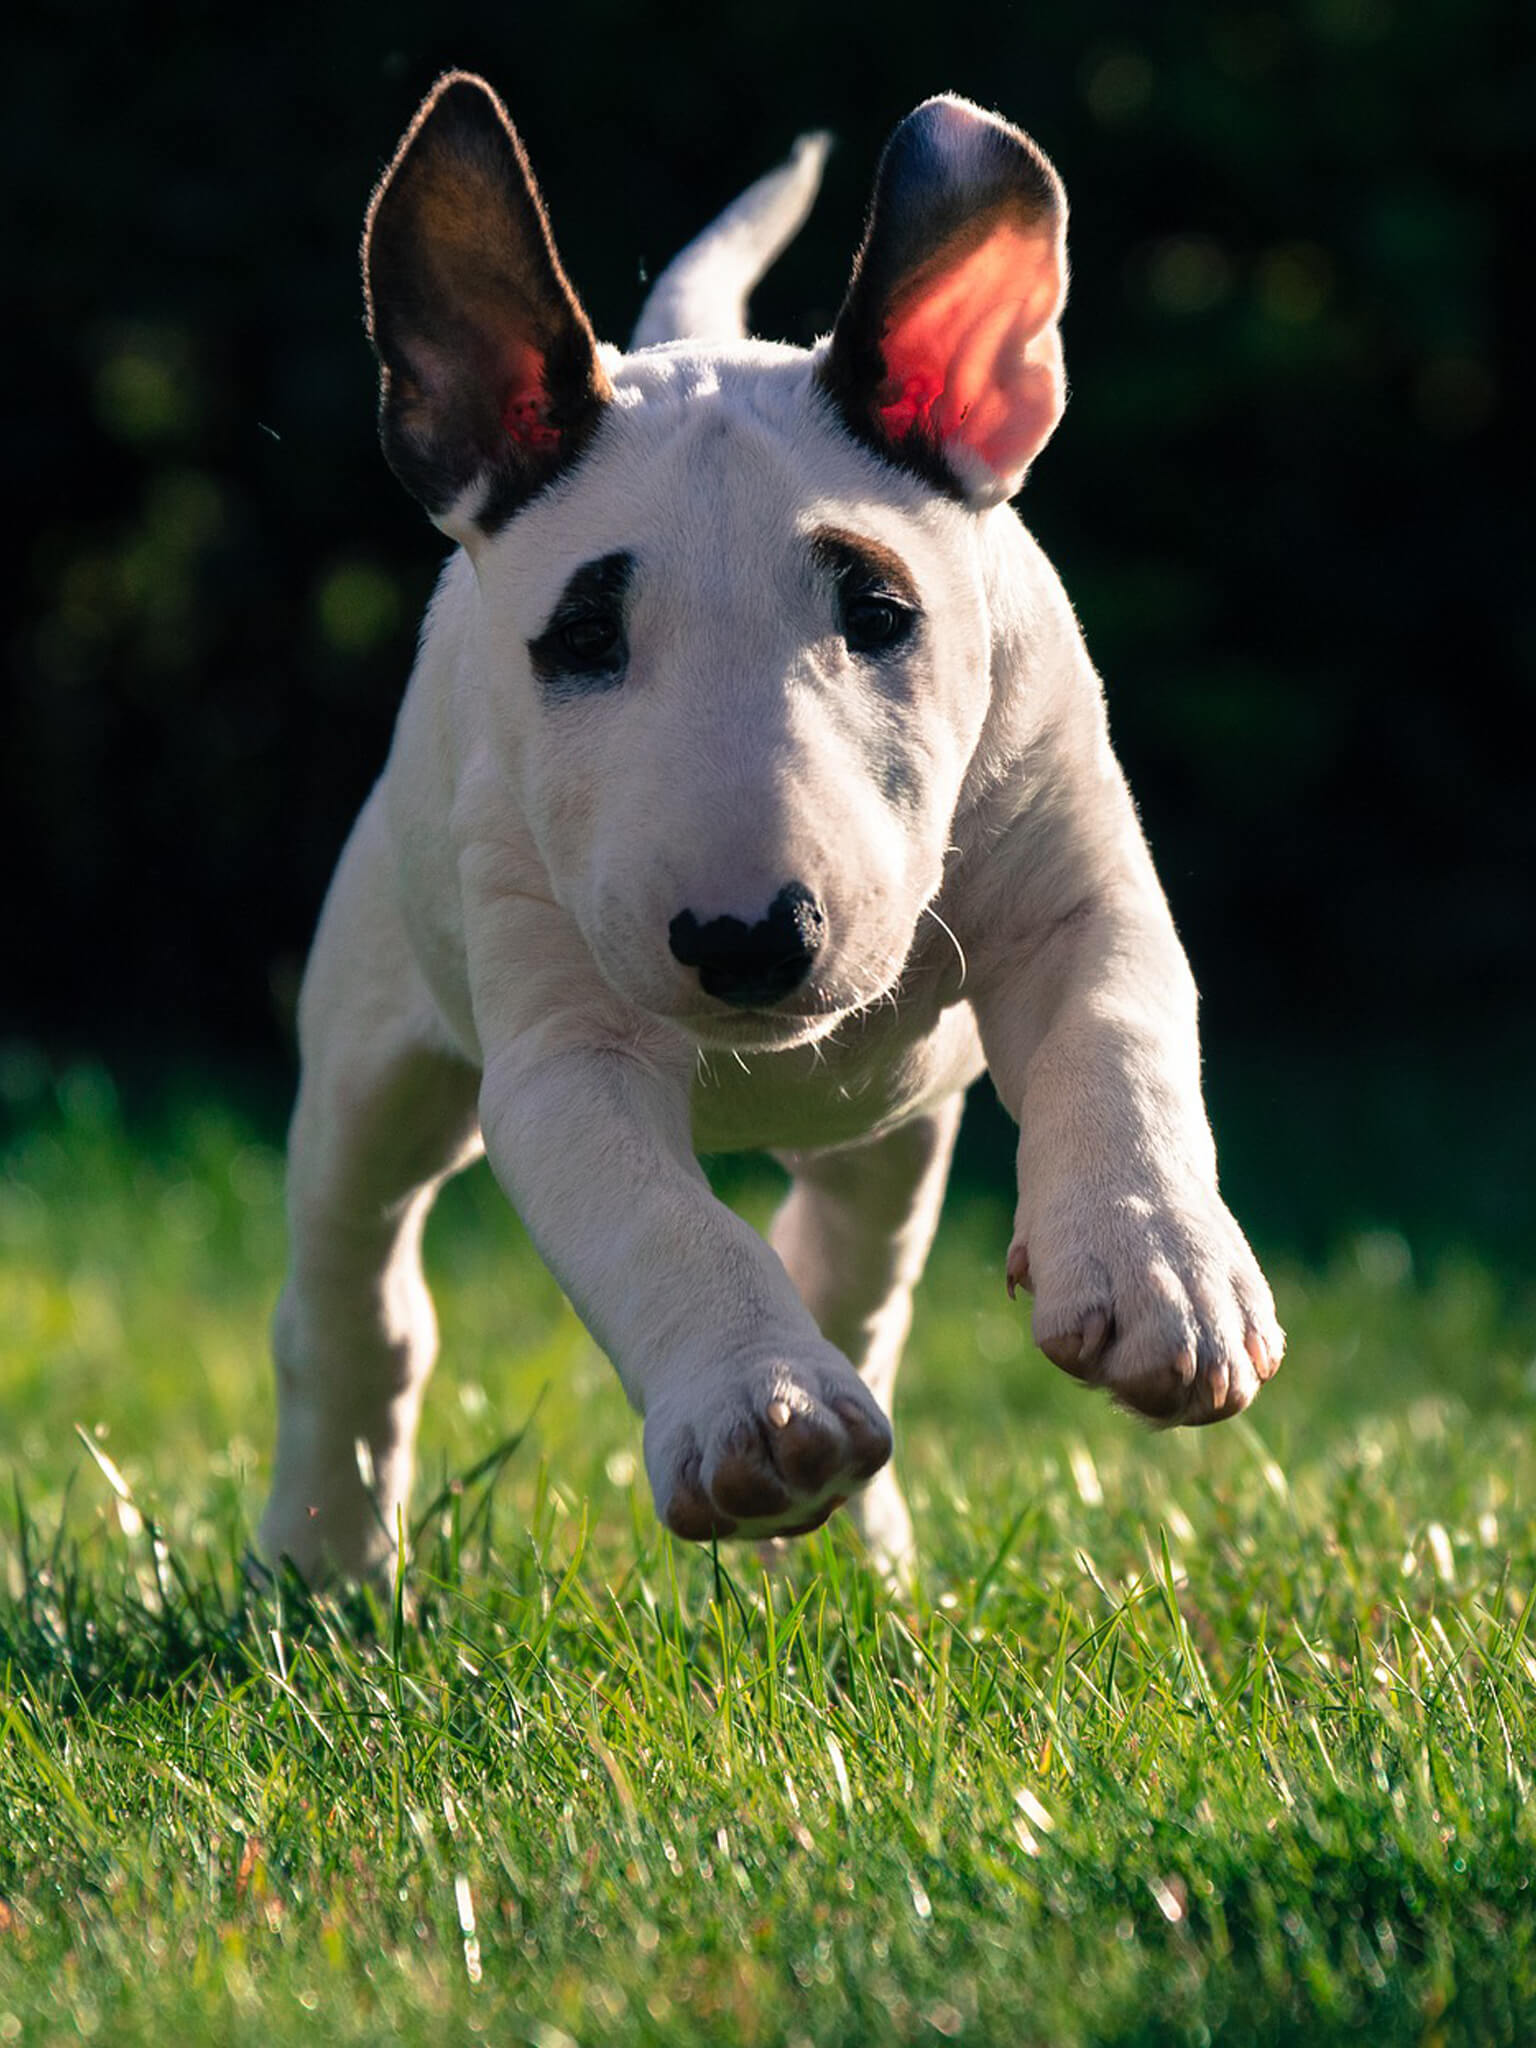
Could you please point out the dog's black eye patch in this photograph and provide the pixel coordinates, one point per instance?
(584, 646)
(878, 609)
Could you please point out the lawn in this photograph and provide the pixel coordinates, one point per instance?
(1221, 1736)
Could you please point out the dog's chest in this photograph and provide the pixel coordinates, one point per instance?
(874, 1074)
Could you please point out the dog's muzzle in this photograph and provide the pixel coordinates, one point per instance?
(752, 966)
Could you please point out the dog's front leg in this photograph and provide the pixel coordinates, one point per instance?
(754, 1423)
(1142, 1281)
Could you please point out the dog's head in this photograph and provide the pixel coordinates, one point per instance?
(735, 631)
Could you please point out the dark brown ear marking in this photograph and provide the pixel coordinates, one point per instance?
(845, 554)
(945, 357)
(489, 377)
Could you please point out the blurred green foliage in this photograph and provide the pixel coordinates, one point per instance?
(1290, 499)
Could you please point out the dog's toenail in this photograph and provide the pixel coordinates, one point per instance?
(1265, 1362)
(1018, 1270)
(779, 1412)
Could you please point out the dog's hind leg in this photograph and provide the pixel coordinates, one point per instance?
(386, 1111)
(854, 1233)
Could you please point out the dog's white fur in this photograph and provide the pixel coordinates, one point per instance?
(493, 967)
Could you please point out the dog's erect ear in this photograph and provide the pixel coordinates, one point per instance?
(946, 355)
(489, 376)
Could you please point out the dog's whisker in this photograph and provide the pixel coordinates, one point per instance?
(929, 911)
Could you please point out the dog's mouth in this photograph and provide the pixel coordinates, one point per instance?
(799, 1020)
(767, 1030)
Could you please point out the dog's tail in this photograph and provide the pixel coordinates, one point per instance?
(702, 294)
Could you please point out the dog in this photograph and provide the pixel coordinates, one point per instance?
(752, 789)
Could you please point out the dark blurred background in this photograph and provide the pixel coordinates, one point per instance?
(1291, 497)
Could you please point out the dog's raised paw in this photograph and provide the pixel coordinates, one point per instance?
(772, 1453)
(1162, 1306)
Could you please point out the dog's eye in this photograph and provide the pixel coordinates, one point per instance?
(874, 623)
(589, 640)
(585, 647)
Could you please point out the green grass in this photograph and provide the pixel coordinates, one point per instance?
(1208, 1737)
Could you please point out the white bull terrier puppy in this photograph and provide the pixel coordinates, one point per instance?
(752, 789)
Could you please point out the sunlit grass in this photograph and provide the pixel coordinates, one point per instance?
(1221, 1735)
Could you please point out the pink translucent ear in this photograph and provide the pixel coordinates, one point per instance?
(973, 362)
(946, 356)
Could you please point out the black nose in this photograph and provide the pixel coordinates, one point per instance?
(753, 965)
